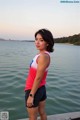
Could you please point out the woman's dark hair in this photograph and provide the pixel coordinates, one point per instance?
(47, 37)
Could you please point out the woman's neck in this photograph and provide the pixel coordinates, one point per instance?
(42, 51)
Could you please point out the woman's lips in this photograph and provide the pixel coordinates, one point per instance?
(37, 46)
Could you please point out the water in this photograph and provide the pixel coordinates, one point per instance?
(63, 81)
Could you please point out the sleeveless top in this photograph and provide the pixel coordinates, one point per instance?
(33, 71)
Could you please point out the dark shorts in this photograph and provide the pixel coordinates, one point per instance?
(40, 95)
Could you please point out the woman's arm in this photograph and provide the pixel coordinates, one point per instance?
(43, 62)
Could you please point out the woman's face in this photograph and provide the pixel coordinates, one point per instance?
(40, 43)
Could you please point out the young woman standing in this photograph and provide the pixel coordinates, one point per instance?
(35, 90)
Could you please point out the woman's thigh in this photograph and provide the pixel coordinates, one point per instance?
(41, 107)
(32, 112)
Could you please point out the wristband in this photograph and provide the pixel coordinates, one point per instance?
(30, 95)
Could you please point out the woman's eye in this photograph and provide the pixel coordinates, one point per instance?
(41, 40)
(36, 39)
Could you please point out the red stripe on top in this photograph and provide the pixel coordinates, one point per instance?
(31, 77)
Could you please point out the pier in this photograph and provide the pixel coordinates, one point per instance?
(64, 116)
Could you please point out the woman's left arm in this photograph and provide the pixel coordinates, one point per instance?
(43, 62)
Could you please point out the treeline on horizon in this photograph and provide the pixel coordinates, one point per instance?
(75, 39)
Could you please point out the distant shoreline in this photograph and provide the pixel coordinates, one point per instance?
(17, 40)
(33, 41)
(74, 40)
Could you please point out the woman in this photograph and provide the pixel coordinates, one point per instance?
(35, 91)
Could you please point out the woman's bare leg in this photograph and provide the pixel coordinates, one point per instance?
(32, 112)
(41, 110)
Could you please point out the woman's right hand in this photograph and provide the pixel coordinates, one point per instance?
(30, 101)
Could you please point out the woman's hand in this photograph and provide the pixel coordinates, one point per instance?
(30, 101)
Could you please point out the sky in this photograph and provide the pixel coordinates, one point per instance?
(20, 19)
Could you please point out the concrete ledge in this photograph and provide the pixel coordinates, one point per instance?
(64, 116)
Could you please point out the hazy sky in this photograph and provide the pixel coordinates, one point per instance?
(20, 19)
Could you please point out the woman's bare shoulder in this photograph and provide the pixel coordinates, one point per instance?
(44, 57)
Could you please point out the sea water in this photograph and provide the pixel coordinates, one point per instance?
(63, 80)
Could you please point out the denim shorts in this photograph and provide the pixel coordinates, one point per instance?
(39, 96)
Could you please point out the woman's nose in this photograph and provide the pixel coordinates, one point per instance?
(37, 42)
